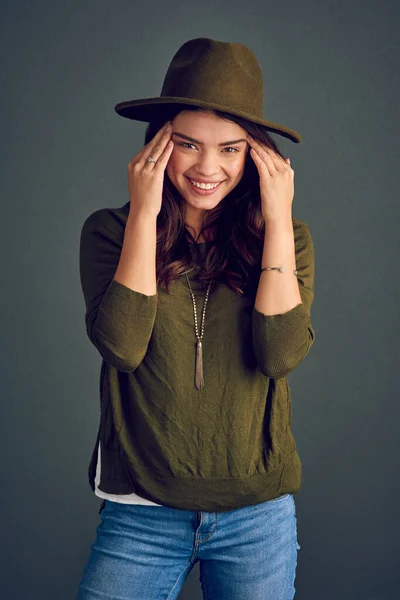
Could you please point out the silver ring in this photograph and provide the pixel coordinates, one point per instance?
(150, 159)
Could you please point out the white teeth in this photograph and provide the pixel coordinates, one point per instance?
(205, 186)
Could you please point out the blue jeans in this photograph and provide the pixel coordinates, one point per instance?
(146, 552)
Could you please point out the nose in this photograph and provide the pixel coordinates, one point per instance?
(206, 166)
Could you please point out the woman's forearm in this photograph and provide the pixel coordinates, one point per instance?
(137, 264)
(278, 292)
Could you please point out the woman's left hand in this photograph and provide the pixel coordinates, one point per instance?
(276, 182)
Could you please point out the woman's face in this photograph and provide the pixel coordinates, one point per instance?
(206, 158)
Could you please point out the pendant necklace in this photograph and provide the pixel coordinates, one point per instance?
(199, 376)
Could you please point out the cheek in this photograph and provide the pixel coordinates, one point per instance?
(176, 163)
(237, 166)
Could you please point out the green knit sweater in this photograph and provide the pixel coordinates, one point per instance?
(222, 447)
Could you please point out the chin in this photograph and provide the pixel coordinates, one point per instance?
(203, 203)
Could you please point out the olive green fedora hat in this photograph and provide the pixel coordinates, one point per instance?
(210, 74)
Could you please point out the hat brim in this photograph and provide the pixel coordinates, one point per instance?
(146, 109)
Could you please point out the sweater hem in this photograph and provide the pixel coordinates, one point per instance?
(200, 493)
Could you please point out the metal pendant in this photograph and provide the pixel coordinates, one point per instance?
(199, 377)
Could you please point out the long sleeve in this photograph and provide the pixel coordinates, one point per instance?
(280, 342)
(119, 321)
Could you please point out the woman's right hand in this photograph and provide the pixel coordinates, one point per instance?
(146, 179)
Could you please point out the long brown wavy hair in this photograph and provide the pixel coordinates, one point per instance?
(236, 224)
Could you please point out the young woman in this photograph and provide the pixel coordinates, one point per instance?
(198, 294)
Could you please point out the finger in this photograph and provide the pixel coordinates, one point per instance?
(261, 164)
(147, 148)
(277, 160)
(264, 160)
(162, 134)
(280, 162)
(264, 154)
(156, 150)
(288, 166)
(164, 158)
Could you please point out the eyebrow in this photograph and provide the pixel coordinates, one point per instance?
(186, 137)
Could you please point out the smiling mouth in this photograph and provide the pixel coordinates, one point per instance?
(201, 191)
(205, 186)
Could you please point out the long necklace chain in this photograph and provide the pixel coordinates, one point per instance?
(199, 376)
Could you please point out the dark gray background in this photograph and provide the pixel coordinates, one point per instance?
(331, 72)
